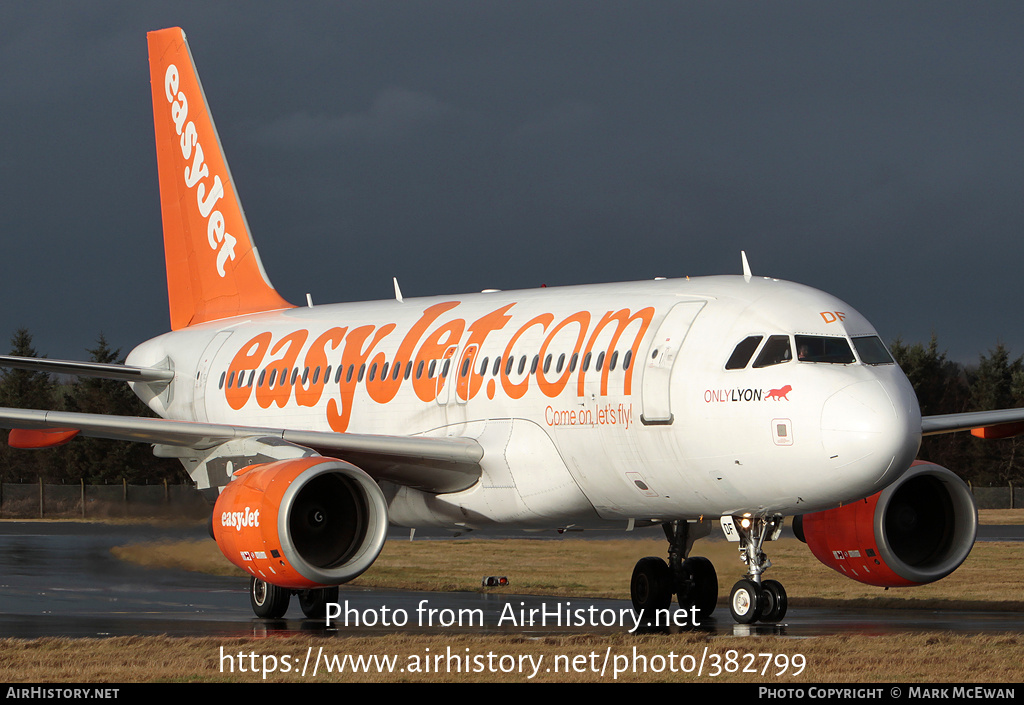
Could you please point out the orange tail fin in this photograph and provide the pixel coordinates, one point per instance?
(213, 268)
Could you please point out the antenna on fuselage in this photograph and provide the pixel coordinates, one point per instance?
(398, 292)
(746, 266)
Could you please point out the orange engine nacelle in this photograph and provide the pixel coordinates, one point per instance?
(915, 531)
(301, 523)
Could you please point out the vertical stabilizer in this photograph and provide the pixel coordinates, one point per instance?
(213, 268)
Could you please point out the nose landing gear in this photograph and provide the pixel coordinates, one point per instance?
(753, 599)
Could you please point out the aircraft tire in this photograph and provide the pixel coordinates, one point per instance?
(704, 593)
(650, 588)
(268, 601)
(776, 603)
(746, 601)
(314, 602)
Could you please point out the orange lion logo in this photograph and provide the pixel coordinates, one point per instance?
(779, 393)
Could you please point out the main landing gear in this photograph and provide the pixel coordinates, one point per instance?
(271, 602)
(691, 580)
(753, 599)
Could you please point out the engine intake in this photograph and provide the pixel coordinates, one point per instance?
(301, 523)
(916, 531)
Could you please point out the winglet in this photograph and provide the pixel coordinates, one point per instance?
(746, 266)
(213, 268)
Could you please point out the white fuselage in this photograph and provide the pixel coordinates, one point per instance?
(594, 404)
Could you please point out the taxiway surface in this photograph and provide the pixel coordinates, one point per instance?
(60, 579)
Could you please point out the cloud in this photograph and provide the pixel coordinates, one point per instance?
(394, 115)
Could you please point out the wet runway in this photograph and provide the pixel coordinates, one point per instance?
(60, 579)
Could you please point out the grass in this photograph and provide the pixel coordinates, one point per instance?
(1001, 516)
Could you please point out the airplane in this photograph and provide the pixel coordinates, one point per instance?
(670, 402)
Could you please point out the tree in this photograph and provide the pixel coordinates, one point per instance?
(997, 384)
(24, 389)
(938, 382)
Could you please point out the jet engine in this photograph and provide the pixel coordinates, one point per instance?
(915, 531)
(301, 523)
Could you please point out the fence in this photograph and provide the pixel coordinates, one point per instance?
(1004, 497)
(40, 500)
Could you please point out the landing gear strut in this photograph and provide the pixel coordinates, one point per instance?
(692, 581)
(753, 599)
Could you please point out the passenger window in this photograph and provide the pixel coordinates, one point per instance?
(820, 348)
(743, 352)
(626, 359)
(613, 360)
(775, 352)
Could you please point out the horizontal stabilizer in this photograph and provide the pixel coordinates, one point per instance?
(87, 369)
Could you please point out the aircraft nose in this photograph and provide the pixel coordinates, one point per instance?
(871, 432)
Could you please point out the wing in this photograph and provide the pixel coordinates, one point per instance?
(433, 464)
(1003, 423)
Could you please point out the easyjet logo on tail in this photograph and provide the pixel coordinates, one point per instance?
(196, 173)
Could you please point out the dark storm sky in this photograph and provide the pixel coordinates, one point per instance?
(871, 149)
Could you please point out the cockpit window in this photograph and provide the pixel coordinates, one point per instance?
(871, 351)
(743, 352)
(820, 348)
(775, 352)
